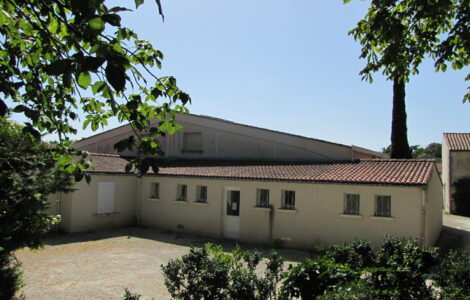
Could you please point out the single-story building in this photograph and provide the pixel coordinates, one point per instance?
(292, 203)
(455, 164)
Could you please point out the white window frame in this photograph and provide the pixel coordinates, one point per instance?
(106, 198)
(350, 205)
(201, 197)
(379, 208)
(262, 198)
(154, 190)
(182, 193)
(288, 200)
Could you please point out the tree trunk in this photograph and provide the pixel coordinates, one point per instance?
(400, 146)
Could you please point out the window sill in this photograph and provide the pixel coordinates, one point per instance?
(154, 199)
(351, 216)
(382, 218)
(105, 214)
(181, 201)
(262, 208)
(199, 203)
(284, 210)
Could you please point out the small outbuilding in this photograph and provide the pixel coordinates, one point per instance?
(294, 204)
(455, 165)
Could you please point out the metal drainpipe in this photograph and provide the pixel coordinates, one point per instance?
(58, 210)
(423, 216)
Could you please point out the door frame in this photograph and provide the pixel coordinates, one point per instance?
(230, 224)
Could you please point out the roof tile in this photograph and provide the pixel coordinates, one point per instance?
(377, 171)
(458, 141)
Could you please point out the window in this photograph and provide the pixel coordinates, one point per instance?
(382, 206)
(105, 203)
(262, 198)
(288, 200)
(155, 190)
(182, 194)
(192, 141)
(201, 194)
(351, 204)
(233, 203)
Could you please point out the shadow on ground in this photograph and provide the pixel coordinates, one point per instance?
(174, 238)
(453, 238)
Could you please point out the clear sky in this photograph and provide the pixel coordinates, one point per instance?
(291, 66)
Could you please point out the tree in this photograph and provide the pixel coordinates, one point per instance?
(28, 174)
(433, 151)
(396, 35)
(63, 58)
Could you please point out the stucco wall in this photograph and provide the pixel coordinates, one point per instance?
(455, 165)
(446, 175)
(317, 220)
(79, 208)
(433, 206)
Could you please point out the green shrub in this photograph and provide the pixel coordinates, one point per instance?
(129, 296)
(10, 276)
(453, 275)
(209, 273)
(313, 277)
(357, 255)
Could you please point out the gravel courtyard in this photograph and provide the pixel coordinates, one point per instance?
(100, 265)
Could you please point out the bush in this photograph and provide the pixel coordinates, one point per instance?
(461, 196)
(209, 273)
(453, 275)
(313, 277)
(357, 255)
(402, 267)
(10, 276)
(129, 296)
(397, 270)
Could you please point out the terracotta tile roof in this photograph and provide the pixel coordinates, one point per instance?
(383, 171)
(458, 141)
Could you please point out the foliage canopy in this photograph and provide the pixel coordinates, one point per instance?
(61, 58)
(397, 35)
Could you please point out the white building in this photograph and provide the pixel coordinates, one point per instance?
(223, 179)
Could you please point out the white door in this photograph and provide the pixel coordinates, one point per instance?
(231, 212)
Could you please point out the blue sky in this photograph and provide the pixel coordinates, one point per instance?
(291, 66)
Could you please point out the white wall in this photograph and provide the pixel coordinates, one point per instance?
(434, 207)
(79, 208)
(317, 220)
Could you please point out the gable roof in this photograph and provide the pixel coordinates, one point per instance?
(224, 121)
(457, 141)
(382, 171)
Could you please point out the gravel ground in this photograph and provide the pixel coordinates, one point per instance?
(100, 265)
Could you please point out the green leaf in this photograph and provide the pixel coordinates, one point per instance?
(3, 108)
(58, 67)
(84, 80)
(3, 18)
(112, 19)
(160, 9)
(91, 63)
(116, 76)
(97, 87)
(138, 3)
(96, 24)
